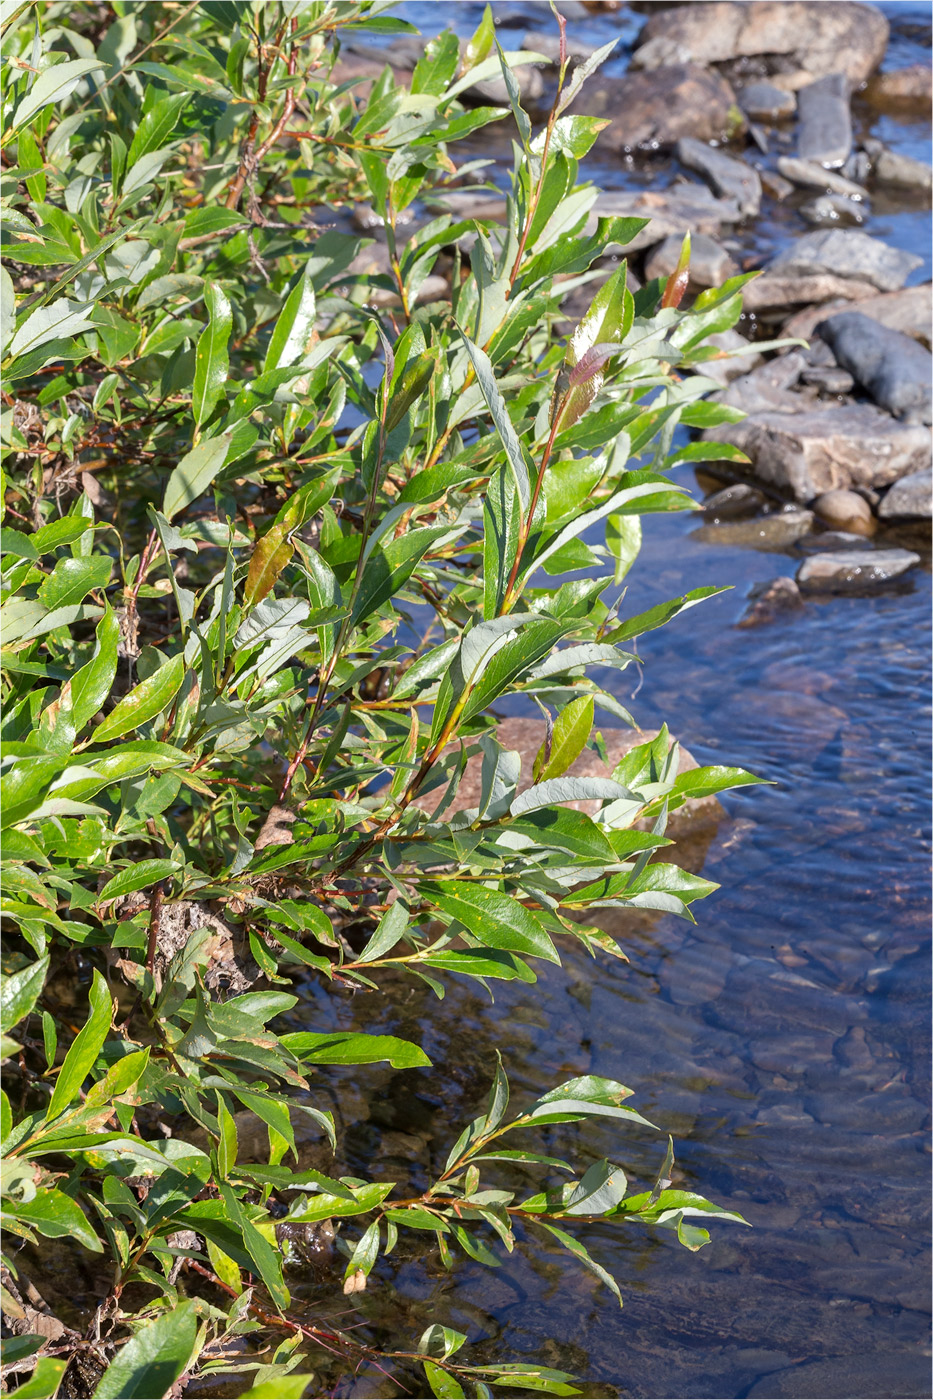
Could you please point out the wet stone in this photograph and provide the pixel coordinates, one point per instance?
(829, 539)
(845, 511)
(824, 132)
(773, 534)
(911, 498)
(727, 177)
(889, 365)
(733, 502)
(685, 208)
(733, 365)
(895, 168)
(907, 311)
(763, 102)
(829, 209)
(775, 185)
(790, 1054)
(854, 571)
(697, 974)
(904, 91)
(813, 176)
(655, 109)
(903, 1373)
(828, 379)
(770, 601)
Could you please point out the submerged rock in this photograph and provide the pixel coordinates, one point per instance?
(846, 511)
(911, 498)
(903, 90)
(772, 534)
(806, 454)
(733, 502)
(649, 110)
(854, 571)
(891, 367)
(824, 132)
(727, 177)
(849, 255)
(769, 601)
(819, 39)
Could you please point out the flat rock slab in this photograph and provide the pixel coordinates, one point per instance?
(908, 311)
(894, 369)
(806, 454)
(816, 177)
(847, 254)
(782, 290)
(770, 534)
(854, 571)
(894, 168)
(911, 498)
(824, 133)
(686, 208)
(651, 110)
(820, 39)
(526, 737)
(727, 177)
(764, 102)
(905, 91)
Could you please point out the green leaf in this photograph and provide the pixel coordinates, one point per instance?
(156, 126)
(43, 1383)
(496, 919)
(290, 1387)
(57, 1216)
(72, 579)
(53, 85)
(194, 474)
(350, 1048)
(294, 325)
(60, 320)
(442, 1383)
(138, 876)
(19, 992)
(150, 1363)
(84, 1049)
(515, 455)
(211, 359)
(623, 536)
(571, 731)
(23, 786)
(143, 703)
(91, 684)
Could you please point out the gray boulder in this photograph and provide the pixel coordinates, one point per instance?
(819, 39)
(905, 91)
(847, 254)
(892, 368)
(726, 176)
(908, 311)
(911, 498)
(853, 571)
(805, 454)
(652, 110)
(824, 133)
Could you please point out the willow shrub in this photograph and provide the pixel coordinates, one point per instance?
(278, 536)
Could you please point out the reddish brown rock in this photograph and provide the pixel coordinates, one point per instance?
(906, 91)
(649, 110)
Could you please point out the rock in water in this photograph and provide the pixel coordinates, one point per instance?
(820, 39)
(845, 510)
(834, 209)
(817, 177)
(904, 91)
(806, 454)
(764, 102)
(678, 210)
(895, 370)
(726, 176)
(854, 571)
(655, 109)
(846, 254)
(769, 601)
(907, 311)
(893, 168)
(825, 131)
(911, 498)
(710, 264)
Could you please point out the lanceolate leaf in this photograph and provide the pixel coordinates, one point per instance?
(84, 1050)
(211, 361)
(148, 699)
(496, 919)
(194, 474)
(152, 1360)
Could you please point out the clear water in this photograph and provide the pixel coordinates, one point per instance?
(784, 1041)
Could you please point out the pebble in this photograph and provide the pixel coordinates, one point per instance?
(727, 177)
(828, 379)
(813, 176)
(911, 498)
(829, 209)
(763, 102)
(769, 601)
(847, 253)
(824, 133)
(894, 369)
(710, 264)
(854, 571)
(775, 185)
(844, 510)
